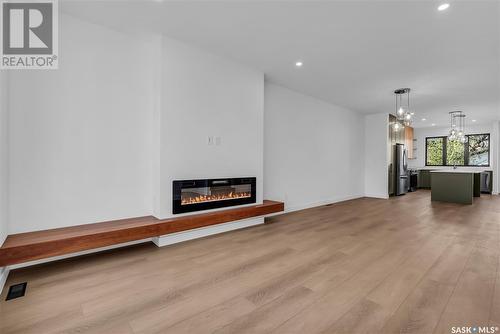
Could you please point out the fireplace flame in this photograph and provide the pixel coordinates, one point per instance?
(213, 198)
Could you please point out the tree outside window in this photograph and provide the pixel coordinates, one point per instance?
(479, 150)
(455, 153)
(434, 151)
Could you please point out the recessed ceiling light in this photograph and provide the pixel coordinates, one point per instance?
(433, 124)
(424, 119)
(443, 6)
(299, 64)
(473, 120)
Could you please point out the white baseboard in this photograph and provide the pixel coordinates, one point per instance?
(317, 203)
(4, 273)
(174, 238)
(382, 196)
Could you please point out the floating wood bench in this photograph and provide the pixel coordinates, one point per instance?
(24, 247)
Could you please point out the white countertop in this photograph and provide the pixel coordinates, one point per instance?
(458, 171)
(467, 169)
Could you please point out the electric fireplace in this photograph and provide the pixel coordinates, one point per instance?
(205, 194)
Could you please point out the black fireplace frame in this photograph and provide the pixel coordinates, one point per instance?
(178, 185)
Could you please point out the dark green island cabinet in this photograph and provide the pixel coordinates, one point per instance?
(456, 186)
(424, 178)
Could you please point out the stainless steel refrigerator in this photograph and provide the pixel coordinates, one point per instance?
(401, 170)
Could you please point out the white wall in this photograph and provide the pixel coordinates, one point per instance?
(494, 154)
(4, 172)
(492, 128)
(376, 155)
(313, 150)
(205, 95)
(80, 136)
(497, 161)
(4, 155)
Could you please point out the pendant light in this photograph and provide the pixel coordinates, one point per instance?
(403, 114)
(457, 127)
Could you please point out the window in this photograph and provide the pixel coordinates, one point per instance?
(479, 150)
(455, 153)
(439, 151)
(434, 151)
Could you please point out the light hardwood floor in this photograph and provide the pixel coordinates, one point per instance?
(403, 265)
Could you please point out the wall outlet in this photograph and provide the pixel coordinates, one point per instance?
(210, 140)
(218, 141)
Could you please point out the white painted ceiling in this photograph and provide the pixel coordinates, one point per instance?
(355, 53)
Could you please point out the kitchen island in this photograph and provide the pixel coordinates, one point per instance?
(455, 185)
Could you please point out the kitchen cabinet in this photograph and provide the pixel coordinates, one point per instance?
(390, 148)
(424, 178)
(455, 186)
(487, 182)
(408, 141)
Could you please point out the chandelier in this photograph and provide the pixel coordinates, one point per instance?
(457, 127)
(403, 113)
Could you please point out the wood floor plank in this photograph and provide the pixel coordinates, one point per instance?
(213, 318)
(495, 305)
(338, 300)
(372, 312)
(470, 303)
(211, 295)
(420, 312)
(269, 316)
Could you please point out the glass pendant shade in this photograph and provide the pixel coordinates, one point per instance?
(453, 134)
(403, 114)
(397, 126)
(457, 127)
